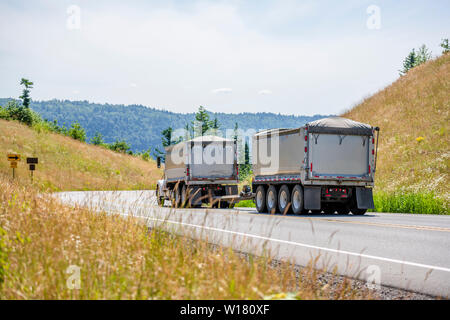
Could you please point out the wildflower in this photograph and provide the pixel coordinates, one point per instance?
(420, 139)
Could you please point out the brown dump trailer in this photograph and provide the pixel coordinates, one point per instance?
(328, 165)
(201, 170)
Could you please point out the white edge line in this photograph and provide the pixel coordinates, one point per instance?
(414, 264)
(361, 255)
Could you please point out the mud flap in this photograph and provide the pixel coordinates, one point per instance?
(364, 198)
(312, 198)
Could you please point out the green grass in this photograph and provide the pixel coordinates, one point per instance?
(245, 204)
(409, 202)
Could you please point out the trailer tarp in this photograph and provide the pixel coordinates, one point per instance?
(338, 125)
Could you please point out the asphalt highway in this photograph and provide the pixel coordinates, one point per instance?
(405, 251)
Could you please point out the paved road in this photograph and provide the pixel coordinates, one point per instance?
(404, 251)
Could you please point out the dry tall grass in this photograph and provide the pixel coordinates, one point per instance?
(120, 258)
(67, 164)
(413, 114)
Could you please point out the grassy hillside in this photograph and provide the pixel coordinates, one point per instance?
(413, 114)
(43, 244)
(67, 164)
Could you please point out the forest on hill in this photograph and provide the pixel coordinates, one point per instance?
(141, 126)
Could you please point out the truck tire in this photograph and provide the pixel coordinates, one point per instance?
(260, 199)
(343, 210)
(358, 212)
(272, 199)
(284, 200)
(297, 200)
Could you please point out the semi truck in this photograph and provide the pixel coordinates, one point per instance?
(327, 165)
(200, 170)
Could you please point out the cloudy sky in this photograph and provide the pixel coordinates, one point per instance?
(290, 57)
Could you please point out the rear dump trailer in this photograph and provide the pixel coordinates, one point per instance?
(198, 171)
(328, 165)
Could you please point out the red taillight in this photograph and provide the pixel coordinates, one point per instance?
(306, 138)
(369, 169)
(187, 172)
(306, 149)
(237, 170)
(373, 140)
(311, 166)
(373, 151)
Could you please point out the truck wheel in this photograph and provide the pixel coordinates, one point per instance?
(260, 199)
(329, 211)
(272, 199)
(343, 210)
(358, 212)
(297, 200)
(284, 200)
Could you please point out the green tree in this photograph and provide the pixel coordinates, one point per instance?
(445, 46)
(166, 140)
(98, 139)
(247, 153)
(146, 154)
(77, 132)
(202, 122)
(423, 55)
(215, 127)
(120, 146)
(245, 169)
(409, 62)
(26, 92)
(14, 111)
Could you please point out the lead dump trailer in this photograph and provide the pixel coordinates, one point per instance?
(328, 165)
(201, 170)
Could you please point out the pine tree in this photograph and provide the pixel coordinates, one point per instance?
(26, 92)
(215, 127)
(445, 46)
(167, 139)
(423, 55)
(247, 153)
(202, 121)
(409, 62)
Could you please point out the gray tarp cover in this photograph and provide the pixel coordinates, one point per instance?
(338, 125)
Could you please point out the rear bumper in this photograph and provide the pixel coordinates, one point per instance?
(344, 183)
(315, 196)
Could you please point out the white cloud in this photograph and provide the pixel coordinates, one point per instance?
(222, 90)
(265, 92)
(133, 85)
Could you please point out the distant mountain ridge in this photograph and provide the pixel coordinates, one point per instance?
(141, 126)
